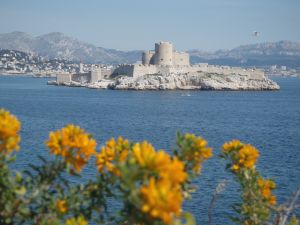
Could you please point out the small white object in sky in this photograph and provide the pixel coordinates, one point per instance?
(256, 33)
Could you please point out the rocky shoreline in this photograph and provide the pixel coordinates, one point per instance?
(189, 81)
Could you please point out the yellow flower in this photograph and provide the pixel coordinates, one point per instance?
(161, 200)
(113, 150)
(61, 206)
(104, 158)
(173, 171)
(265, 188)
(232, 145)
(247, 156)
(272, 200)
(159, 162)
(73, 144)
(242, 155)
(76, 221)
(197, 152)
(235, 167)
(145, 154)
(9, 132)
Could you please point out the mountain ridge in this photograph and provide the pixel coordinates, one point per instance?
(59, 45)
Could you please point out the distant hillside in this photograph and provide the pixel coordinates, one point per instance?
(270, 53)
(58, 45)
(18, 62)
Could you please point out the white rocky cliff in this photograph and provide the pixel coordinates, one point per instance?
(196, 81)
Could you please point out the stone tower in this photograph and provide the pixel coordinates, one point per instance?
(147, 57)
(80, 70)
(163, 54)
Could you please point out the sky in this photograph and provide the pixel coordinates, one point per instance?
(136, 24)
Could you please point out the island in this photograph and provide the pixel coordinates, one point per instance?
(165, 69)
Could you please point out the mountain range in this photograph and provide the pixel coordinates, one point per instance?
(59, 45)
(284, 53)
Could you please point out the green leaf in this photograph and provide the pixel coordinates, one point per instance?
(19, 177)
(20, 191)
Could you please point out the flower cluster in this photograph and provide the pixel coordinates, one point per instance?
(161, 200)
(152, 176)
(233, 145)
(162, 196)
(159, 162)
(265, 189)
(241, 155)
(73, 144)
(113, 150)
(256, 192)
(193, 150)
(9, 132)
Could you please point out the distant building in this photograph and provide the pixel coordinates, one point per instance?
(96, 73)
(164, 55)
(273, 67)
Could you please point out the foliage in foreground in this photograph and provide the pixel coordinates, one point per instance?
(150, 183)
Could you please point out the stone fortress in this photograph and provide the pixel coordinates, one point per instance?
(165, 56)
(94, 75)
(163, 61)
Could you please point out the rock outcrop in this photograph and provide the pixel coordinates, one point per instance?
(189, 81)
(200, 81)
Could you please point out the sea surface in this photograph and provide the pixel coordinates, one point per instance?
(270, 120)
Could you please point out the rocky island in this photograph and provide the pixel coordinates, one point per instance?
(197, 81)
(165, 69)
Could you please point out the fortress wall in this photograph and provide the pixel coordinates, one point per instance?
(124, 70)
(62, 78)
(181, 59)
(140, 70)
(95, 75)
(226, 70)
(198, 68)
(255, 74)
(164, 70)
(81, 77)
(90, 77)
(180, 69)
(106, 73)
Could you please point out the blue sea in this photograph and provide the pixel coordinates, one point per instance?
(270, 120)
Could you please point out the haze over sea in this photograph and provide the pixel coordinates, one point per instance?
(268, 120)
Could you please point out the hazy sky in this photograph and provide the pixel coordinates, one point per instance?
(137, 24)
